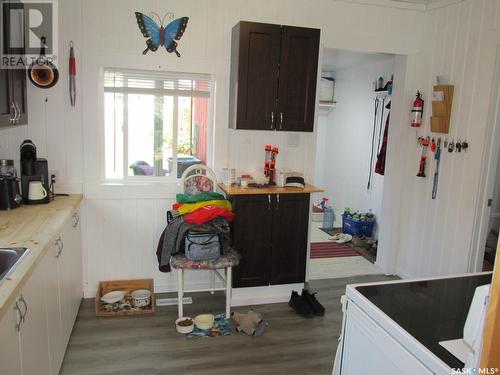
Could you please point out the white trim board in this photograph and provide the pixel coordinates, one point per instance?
(240, 296)
(264, 294)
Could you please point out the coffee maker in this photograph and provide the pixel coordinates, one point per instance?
(33, 169)
(10, 197)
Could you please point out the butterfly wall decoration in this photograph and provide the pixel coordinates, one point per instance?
(160, 35)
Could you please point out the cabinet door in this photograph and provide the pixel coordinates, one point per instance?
(33, 332)
(19, 95)
(49, 266)
(65, 277)
(10, 351)
(6, 110)
(73, 244)
(290, 227)
(13, 94)
(298, 77)
(252, 239)
(254, 74)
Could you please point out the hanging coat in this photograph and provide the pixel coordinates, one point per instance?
(380, 165)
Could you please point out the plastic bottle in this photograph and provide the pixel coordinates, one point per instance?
(328, 217)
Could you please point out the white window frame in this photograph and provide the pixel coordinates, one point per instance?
(175, 93)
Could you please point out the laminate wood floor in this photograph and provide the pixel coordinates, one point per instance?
(151, 345)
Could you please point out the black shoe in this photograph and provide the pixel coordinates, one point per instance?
(316, 307)
(300, 306)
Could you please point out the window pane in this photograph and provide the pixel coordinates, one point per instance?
(168, 133)
(113, 135)
(200, 128)
(153, 119)
(141, 121)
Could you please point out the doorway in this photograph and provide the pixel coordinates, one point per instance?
(485, 235)
(350, 139)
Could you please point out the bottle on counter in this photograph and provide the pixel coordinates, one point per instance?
(328, 217)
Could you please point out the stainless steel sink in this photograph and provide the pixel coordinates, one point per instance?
(9, 259)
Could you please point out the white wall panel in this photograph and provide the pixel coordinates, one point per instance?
(456, 40)
(459, 44)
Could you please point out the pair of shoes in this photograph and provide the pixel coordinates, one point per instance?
(300, 305)
(306, 305)
(341, 238)
(316, 307)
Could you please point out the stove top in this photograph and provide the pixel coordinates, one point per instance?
(431, 310)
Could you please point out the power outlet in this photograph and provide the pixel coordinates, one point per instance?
(53, 172)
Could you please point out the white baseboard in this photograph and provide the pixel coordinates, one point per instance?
(241, 296)
(264, 294)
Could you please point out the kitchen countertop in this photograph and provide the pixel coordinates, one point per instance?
(430, 310)
(238, 190)
(35, 227)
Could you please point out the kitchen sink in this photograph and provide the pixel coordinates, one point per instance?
(9, 259)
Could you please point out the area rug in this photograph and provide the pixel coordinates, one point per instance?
(331, 250)
(222, 327)
(331, 231)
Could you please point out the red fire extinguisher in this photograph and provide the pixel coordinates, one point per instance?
(417, 111)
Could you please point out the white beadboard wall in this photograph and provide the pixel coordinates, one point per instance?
(122, 224)
(460, 43)
(54, 126)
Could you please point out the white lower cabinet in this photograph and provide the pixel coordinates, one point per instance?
(35, 331)
(10, 351)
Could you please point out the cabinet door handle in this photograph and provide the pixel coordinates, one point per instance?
(269, 202)
(18, 110)
(77, 219)
(23, 317)
(278, 201)
(281, 120)
(60, 247)
(13, 118)
(18, 324)
(272, 120)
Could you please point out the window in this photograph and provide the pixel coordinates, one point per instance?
(156, 123)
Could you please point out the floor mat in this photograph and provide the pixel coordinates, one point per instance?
(222, 327)
(332, 231)
(331, 250)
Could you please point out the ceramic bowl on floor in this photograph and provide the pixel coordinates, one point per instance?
(204, 321)
(181, 328)
(141, 297)
(113, 297)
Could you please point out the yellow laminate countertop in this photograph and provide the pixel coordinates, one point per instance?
(238, 190)
(35, 227)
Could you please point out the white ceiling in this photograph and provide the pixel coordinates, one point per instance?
(338, 59)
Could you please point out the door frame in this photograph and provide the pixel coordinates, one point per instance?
(489, 165)
(392, 195)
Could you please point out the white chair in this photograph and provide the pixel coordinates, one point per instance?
(196, 179)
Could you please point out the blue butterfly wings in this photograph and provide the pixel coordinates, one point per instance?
(159, 35)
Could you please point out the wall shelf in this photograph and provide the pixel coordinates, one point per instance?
(326, 108)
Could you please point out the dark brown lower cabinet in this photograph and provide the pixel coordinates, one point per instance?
(270, 233)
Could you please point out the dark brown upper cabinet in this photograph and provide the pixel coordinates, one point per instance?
(13, 94)
(273, 77)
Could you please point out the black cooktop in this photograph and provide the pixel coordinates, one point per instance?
(431, 311)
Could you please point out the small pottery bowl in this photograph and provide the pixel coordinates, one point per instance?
(204, 321)
(141, 297)
(113, 297)
(184, 328)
